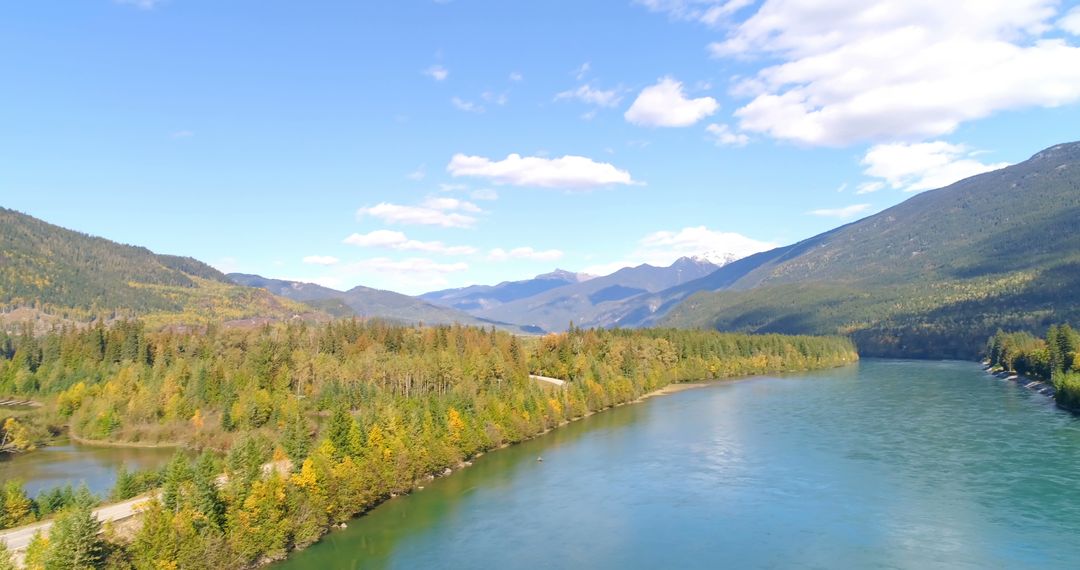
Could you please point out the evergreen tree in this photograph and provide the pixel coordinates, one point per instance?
(6, 561)
(296, 439)
(127, 484)
(15, 507)
(337, 430)
(74, 543)
(177, 472)
(207, 496)
(36, 552)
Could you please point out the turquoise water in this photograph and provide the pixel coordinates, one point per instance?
(887, 464)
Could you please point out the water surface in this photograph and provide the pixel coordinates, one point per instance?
(67, 462)
(887, 464)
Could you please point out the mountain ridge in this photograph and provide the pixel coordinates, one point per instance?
(932, 276)
(364, 301)
(79, 277)
(580, 302)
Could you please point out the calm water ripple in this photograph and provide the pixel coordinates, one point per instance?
(888, 464)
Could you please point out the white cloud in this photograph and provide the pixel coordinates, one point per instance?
(437, 72)
(869, 187)
(412, 275)
(867, 70)
(419, 174)
(419, 215)
(499, 254)
(709, 12)
(722, 135)
(587, 94)
(1071, 21)
(321, 260)
(582, 71)
(496, 98)
(923, 166)
(570, 172)
(399, 241)
(699, 241)
(484, 194)
(181, 134)
(142, 4)
(842, 213)
(467, 106)
(662, 248)
(516, 76)
(665, 105)
(451, 204)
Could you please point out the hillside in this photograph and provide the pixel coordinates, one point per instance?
(365, 302)
(583, 302)
(59, 271)
(479, 297)
(933, 276)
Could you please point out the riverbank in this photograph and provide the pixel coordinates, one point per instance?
(120, 444)
(1038, 386)
(668, 389)
(829, 469)
(134, 521)
(129, 512)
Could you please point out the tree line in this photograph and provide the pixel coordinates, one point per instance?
(1055, 358)
(357, 410)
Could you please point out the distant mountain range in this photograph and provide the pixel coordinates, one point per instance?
(367, 302)
(583, 301)
(482, 297)
(933, 276)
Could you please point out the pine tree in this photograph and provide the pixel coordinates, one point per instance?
(126, 485)
(207, 496)
(36, 552)
(177, 472)
(15, 507)
(296, 439)
(6, 562)
(74, 543)
(337, 430)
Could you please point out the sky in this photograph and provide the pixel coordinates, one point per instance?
(416, 145)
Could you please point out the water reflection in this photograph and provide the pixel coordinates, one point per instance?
(887, 464)
(72, 463)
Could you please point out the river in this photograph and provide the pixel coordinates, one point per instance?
(885, 464)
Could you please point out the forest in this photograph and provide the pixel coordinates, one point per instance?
(1055, 358)
(352, 411)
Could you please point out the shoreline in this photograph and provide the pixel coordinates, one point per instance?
(134, 445)
(668, 389)
(418, 485)
(1042, 387)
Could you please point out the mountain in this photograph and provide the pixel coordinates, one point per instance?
(59, 272)
(582, 302)
(933, 276)
(366, 302)
(480, 297)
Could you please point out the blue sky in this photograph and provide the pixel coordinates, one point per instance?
(414, 145)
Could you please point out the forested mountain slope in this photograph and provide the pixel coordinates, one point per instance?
(60, 271)
(932, 276)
